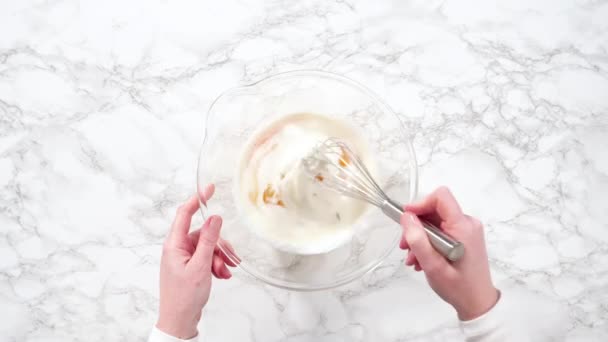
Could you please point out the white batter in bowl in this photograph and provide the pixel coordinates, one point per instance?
(282, 204)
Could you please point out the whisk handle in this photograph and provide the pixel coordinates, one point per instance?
(448, 247)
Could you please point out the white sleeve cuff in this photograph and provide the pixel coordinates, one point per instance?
(487, 327)
(159, 336)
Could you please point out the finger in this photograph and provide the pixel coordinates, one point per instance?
(208, 237)
(219, 268)
(441, 202)
(230, 249)
(428, 258)
(403, 242)
(417, 267)
(216, 264)
(226, 251)
(411, 259)
(225, 272)
(194, 236)
(219, 253)
(183, 218)
(206, 193)
(433, 218)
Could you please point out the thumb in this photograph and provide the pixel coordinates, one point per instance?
(429, 259)
(209, 235)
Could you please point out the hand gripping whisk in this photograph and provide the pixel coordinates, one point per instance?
(336, 166)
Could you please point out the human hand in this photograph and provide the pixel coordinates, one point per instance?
(466, 284)
(187, 263)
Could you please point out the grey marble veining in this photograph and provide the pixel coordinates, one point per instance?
(101, 114)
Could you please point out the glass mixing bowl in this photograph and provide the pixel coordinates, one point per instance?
(239, 112)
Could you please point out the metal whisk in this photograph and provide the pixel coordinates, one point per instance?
(333, 164)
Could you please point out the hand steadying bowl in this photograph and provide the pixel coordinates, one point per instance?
(238, 113)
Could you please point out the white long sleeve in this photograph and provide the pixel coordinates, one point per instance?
(518, 316)
(490, 327)
(159, 336)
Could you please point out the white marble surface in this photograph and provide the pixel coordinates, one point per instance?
(102, 105)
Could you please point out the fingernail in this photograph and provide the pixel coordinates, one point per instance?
(215, 222)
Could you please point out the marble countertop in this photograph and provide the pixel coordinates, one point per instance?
(101, 113)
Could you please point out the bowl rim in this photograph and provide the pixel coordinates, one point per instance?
(413, 169)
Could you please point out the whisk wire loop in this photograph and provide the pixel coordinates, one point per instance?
(345, 172)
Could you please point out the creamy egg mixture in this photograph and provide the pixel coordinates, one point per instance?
(283, 204)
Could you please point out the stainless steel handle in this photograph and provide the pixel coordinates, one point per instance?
(448, 247)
